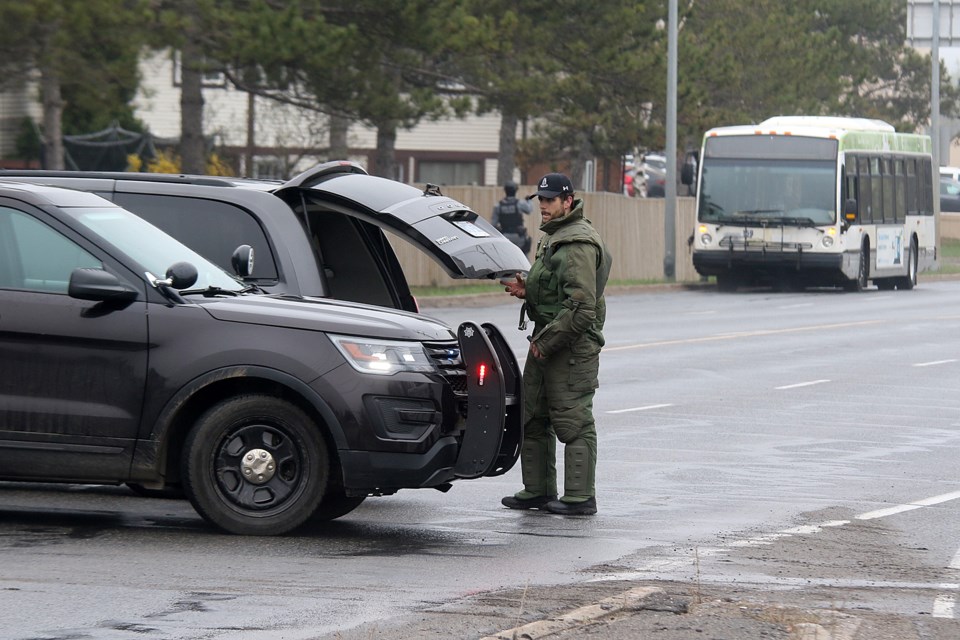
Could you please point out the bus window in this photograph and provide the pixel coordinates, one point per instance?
(925, 176)
(866, 190)
(900, 191)
(887, 172)
(913, 206)
(848, 189)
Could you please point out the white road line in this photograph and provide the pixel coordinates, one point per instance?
(743, 334)
(900, 508)
(802, 384)
(934, 362)
(649, 406)
(944, 606)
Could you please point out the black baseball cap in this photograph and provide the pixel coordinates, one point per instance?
(553, 185)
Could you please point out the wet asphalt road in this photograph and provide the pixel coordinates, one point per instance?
(722, 418)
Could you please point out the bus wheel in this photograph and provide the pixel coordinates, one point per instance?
(863, 271)
(727, 282)
(885, 284)
(909, 281)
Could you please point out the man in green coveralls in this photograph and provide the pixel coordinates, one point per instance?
(563, 295)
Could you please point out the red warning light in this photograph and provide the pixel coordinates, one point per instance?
(481, 374)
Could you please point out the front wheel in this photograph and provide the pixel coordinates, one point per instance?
(727, 282)
(863, 272)
(335, 505)
(255, 465)
(909, 281)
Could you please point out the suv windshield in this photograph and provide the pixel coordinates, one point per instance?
(151, 247)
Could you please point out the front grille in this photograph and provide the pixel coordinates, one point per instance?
(764, 245)
(446, 355)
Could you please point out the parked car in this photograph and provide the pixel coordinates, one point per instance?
(654, 170)
(318, 234)
(951, 172)
(128, 357)
(949, 194)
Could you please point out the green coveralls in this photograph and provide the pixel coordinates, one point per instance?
(564, 298)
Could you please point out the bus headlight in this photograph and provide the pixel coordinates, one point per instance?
(827, 241)
(705, 239)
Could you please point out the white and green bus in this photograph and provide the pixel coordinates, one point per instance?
(814, 201)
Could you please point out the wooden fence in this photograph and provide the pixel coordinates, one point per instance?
(633, 229)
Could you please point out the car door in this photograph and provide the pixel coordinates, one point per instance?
(72, 372)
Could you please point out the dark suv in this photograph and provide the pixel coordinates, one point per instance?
(319, 234)
(127, 357)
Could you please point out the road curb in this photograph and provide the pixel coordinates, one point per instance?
(578, 617)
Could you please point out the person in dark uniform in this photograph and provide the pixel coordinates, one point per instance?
(508, 217)
(563, 295)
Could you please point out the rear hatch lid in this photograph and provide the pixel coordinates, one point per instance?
(461, 241)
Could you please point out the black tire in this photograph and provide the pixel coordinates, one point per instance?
(255, 465)
(885, 284)
(909, 281)
(863, 273)
(727, 282)
(335, 505)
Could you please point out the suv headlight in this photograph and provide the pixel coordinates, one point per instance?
(383, 357)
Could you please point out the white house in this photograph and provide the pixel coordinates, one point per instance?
(451, 151)
(285, 139)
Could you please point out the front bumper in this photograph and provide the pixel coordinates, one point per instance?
(713, 263)
(468, 427)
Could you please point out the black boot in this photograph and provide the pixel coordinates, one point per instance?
(536, 502)
(586, 508)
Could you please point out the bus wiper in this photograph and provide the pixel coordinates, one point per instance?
(798, 222)
(753, 212)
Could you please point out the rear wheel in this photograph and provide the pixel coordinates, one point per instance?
(255, 465)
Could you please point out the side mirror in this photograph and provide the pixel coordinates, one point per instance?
(850, 210)
(242, 260)
(181, 275)
(98, 285)
(688, 171)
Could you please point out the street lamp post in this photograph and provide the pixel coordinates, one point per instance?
(670, 193)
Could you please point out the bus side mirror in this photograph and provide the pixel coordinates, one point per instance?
(850, 210)
(688, 172)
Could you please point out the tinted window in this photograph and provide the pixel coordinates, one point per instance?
(35, 257)
(148, 246)
(212, 229)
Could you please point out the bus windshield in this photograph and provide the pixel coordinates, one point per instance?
(768, 192)
(769, 180)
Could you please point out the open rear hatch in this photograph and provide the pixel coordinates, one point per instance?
(464, 243)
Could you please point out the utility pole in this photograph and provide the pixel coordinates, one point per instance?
(670, 193)
(935, 88)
